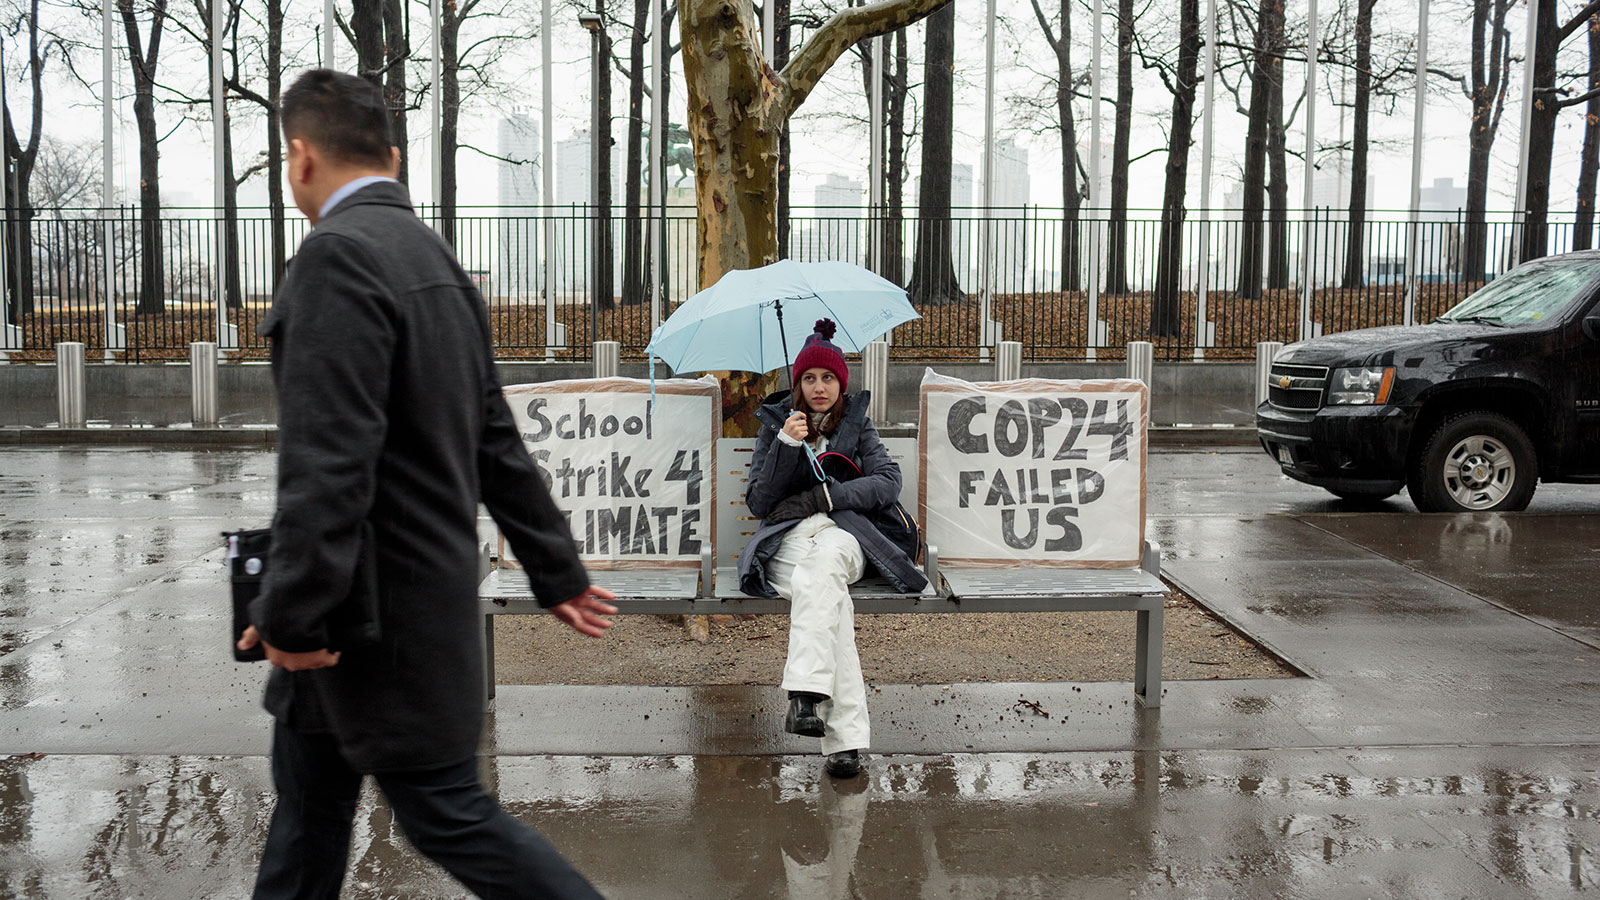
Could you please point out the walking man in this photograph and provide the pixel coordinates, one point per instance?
(391, 429)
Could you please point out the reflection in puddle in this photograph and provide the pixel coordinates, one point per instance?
(1168, 824)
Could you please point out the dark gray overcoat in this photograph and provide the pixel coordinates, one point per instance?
(778, 470)
(390, 411)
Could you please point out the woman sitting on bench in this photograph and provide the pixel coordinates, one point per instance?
(818, 477)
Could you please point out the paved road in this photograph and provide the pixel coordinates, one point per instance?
(1443, 743)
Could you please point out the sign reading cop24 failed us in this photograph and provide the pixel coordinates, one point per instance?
(1036, 470)
(631, 479)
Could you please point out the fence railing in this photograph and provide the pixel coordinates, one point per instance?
(1031, 275)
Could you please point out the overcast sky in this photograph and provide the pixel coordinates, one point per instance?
(824, 140)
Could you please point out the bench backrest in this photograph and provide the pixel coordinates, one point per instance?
(734, 522)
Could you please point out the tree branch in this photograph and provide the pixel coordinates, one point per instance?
(844, 30)
(1573, 24)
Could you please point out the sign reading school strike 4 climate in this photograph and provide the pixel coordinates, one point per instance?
(636, 482)
(1034, 472)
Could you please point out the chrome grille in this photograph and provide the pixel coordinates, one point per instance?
(1304, 387)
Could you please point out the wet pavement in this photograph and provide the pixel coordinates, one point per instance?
(1442, 744)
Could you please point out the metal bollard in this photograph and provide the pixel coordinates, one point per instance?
(1266, 351)
(607, 357)
(875, 372)
(70, 405)
(203, 384)
(1141, 360)
(1008, 361)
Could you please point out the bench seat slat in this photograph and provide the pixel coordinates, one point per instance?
(627, 584)
(981, 584)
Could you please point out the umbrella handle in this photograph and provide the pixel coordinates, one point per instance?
(783, 337)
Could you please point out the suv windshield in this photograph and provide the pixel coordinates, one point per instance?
(1527, 294)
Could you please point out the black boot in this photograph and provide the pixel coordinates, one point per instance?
(844, 764)
(803, 718)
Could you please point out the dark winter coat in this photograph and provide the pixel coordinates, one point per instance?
(390, 411)
(778, 470)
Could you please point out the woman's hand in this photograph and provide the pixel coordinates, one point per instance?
(795, 427)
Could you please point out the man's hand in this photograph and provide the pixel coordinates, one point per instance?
(294, 662)
(585, 612)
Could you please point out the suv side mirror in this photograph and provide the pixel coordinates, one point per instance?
(1591, 327)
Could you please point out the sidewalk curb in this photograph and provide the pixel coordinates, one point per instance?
(177, 438)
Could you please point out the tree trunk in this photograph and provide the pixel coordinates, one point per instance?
(1165, 320)
(280, 241)
(449, 117)
(1071, 196)
(738, 105)
(1117, 239)
(889, 224)
(633, 291)
(397, 51)
(19, 215)
(1541, 136)
(1583, 228)
(1491, 70)
(933, 272)
(603, 291)
(231, 289)
(1355, 248)
(1264, 74)
(17, 174)
(1277, 188)
(893, 253)
(780, 59)
(152, 272)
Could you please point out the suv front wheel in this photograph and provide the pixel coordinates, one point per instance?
(1474, 462)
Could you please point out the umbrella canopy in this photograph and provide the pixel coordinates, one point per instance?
(734, 324)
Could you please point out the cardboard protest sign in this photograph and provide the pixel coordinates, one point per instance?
(1034, 472)
(636, 483)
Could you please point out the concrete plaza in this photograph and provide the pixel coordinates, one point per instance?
(1443, 742)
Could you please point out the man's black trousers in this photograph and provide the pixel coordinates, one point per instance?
(444, 812)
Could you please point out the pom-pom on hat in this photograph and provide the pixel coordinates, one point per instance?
(819, 352)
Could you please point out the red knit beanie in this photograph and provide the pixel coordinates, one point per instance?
(820, 353)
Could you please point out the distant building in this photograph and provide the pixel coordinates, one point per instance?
(520, 174)
(1011, 185)
(840, 193)
(573, 232)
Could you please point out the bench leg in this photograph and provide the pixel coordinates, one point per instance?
(488, 655)
(1147, 655)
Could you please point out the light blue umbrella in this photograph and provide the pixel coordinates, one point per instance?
(748, 320)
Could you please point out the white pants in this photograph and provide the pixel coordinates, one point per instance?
(813, 570)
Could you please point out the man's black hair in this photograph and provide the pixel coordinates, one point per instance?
(342, 115)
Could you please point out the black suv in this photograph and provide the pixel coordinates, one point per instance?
(1466, 413)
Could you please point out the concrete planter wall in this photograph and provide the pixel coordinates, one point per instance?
(157, 395)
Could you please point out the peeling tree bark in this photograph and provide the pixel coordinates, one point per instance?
(738, 108)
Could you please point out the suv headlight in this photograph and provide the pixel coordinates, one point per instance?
(1363, 386)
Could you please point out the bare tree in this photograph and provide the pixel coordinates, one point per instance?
(1589, 167)
(1549, 100)
(738, 105)
(1065, 84)
(381, 35)
(1165, 311)
(143, 58)
(1116, 277)
(933, 272)
(1355, 246)
(19, 164)
(1267, 73)
(1491, 75)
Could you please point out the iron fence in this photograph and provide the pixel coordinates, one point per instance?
(1034, 275)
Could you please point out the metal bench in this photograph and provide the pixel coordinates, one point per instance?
(714, 587)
